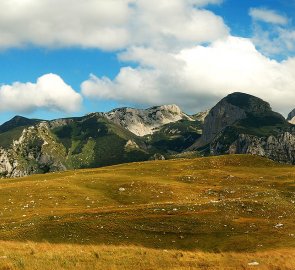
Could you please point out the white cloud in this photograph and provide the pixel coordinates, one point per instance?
(198, 77)
(288, 37)
(62, 23)
(49, 92)
(276, 41)
(107, 24)
(164, 38)
(276, 38)
(207, 2)
(174, 24)
(268, 16)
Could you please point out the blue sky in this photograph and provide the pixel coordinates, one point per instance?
(142, 53)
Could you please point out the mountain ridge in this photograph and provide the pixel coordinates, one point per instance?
(29, 146)
(238, 124)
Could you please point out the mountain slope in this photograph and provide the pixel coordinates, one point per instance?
(94, 141)
(29, 146)
(177, 136)
(85, 142)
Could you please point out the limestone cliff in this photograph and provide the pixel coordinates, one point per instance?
(144, 122)
(279, 147)
(228, 111)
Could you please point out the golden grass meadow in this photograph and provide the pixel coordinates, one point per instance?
(227, 212)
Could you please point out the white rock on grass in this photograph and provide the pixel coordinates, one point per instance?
(253, 263)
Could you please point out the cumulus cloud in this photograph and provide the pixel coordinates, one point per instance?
(174, 24)
(49, 92)
(198, 77)
(62, 23)
(268, 16)
(107, 24)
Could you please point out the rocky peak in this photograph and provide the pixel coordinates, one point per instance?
(146, 121)
(174, 109)
(291, 117)
(201, 116)
(229, 110)
(248, 103)
(17, 121)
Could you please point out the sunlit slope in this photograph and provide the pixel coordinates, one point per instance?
(227, 203)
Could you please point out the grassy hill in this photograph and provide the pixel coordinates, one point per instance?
(218, 205)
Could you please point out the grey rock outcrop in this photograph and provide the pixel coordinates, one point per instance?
(280, 148)
(291, 117)
(222, 115)
(201, 116)
(144, 122)
(5, 163)
(157, 156)
(34, 152)
(226, 112)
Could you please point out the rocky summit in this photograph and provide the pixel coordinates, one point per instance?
(143, 122)
(229, 110)
(237, 124)
(244, 124)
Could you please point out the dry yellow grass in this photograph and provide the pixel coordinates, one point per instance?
(205, 213)
(45, 256)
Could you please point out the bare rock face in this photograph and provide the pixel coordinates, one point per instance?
(34, 152)
(157, 156)
(5, 163)
(291, 117)
(280, 148)
(130, 145)
(262, 132)
(222, 115)
(226, 112)
(143, 122)
(201, 116)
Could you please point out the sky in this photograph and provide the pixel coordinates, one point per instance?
(62, 58)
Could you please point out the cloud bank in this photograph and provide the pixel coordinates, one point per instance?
(197, 77)
(107, 24)
(180, 52)
(49, 92)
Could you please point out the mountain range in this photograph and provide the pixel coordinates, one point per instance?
(238, 124)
